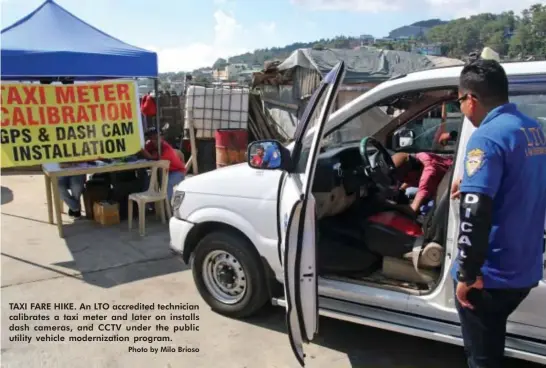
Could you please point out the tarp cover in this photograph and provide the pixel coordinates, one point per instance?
(366, 64)
(52, 42)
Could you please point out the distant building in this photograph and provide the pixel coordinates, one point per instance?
(431, 50)
(234, 70)
(508, 33)
(220, 75)
(230, 72)
(366, 39)
(245, 77)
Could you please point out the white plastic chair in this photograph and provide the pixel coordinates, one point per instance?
(156, 194)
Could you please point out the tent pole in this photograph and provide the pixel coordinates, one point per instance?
(157, 116)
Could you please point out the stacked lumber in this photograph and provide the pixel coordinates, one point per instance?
(261, 124)
(270, 76)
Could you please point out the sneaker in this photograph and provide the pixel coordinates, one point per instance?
(74, 214)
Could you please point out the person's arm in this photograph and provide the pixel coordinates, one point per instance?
(147, 155)
(482, 177)
(425, 190)
(149, 152)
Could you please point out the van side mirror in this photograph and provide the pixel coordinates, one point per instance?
(268, 155)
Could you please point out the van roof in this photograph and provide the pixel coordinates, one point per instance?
(511, 68)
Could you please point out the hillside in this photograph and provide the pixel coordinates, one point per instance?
(510, 34)
(415, 30)
(259, 56)
(514, 36)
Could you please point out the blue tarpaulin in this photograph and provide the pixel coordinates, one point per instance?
(52, 42)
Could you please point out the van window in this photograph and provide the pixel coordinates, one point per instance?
(533, 105)
(431, 131)
(371, 120)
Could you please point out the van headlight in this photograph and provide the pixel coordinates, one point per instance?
(176, 202)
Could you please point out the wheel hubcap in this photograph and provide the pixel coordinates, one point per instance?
(224, 277)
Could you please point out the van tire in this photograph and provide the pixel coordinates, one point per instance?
(256, 294)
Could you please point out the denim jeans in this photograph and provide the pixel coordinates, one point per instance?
(484, 327)
(411, 192)
(71, 189)
(175, 177)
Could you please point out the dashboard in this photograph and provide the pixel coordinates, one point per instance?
(337, 165)
(332, 164)
(339, 179)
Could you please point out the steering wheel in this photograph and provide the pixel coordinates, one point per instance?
(379, 166)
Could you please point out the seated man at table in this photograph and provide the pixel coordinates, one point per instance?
(70, 190)
(177, 169)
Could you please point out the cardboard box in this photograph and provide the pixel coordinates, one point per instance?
(106, 213)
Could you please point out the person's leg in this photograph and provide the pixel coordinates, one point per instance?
(175, 177)
(484, 327)
(470, 329)
(64, 186)
(77, 184)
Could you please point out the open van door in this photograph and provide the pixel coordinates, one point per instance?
(296, 216)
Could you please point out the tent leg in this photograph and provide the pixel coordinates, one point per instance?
(157, 116)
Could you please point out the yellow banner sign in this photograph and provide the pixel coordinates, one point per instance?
(67, 123)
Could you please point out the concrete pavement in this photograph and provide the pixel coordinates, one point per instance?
(111, 265)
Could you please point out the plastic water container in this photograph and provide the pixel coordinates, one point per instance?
(489, 54)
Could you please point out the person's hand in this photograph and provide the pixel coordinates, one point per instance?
(444, 138)
(456, 189)
(462, 292)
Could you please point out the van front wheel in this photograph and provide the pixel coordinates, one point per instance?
(229, 274)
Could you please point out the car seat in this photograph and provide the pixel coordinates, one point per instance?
(422, 263)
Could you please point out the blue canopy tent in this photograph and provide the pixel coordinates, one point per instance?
(52, 44)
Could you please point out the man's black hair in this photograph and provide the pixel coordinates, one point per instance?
(486, 80)
(151, 132)
(414, 163)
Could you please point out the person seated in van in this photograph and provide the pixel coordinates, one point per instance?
(420, 175)
(177, 169)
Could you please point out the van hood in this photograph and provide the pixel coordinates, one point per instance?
(238, 180)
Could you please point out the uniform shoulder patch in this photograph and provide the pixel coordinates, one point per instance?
(474, 161)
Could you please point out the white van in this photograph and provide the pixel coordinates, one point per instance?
(322, 233)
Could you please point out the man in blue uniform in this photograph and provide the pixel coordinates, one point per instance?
(272, 157)
(502, 214)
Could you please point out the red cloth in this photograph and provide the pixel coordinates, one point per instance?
(167, 153)
(434, 169)
(148, 106)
